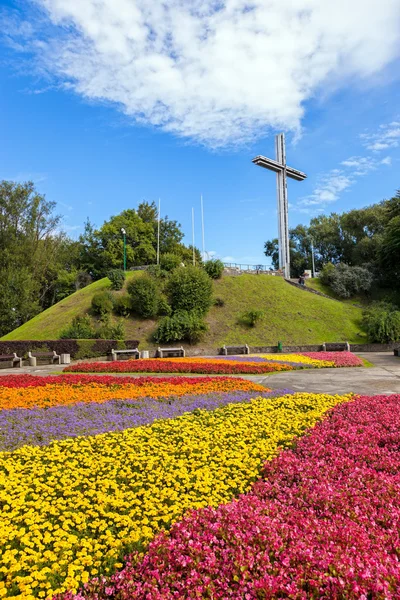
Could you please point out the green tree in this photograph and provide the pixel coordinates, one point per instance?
(389, 252)
(29, 248)
(190, 289)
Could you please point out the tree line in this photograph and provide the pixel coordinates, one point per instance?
(40, 265)
(367, 237)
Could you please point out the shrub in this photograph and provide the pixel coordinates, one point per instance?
(80, 328)
(251, 317)
(382, 323)
(325, 275)
(86, 350)
(219, 302)
(190, 289)
(182, 326)
(169, 261)
(347, 281)
(110, 331)
(157, 272)
(117, 278)
(214, 268)
(102, 303)
(122, 305)
(144, 295)
(164, 308)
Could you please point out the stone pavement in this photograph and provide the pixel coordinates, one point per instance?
(382, 378)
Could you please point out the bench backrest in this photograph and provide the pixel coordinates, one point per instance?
(336, 346)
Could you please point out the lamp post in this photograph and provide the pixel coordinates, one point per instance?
(124, 236)
(312, 258)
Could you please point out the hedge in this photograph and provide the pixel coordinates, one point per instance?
(76, 348)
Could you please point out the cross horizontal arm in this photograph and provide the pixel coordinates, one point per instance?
(273, 165)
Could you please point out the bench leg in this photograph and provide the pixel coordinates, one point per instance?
(32, 361)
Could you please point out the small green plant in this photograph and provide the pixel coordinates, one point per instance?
(80, 328)
(169, 261)
(122, 305)
(164, 309)
(190, 289)
(102, 303)
(144, 293)
(117, 278)
(219, 302)
(251, 317)
(214, 268)
(109, 330)
(157, 272)
(182, 326)
(382, 323)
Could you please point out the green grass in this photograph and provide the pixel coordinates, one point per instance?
(291, 316)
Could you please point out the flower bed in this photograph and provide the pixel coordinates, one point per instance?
(340, 359)
(36, 427)
(324, 523)
(73, 509)
(44, 392)
(176, 365)
(229, 365)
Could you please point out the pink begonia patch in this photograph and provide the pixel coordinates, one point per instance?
(340, 359)
(323, 524)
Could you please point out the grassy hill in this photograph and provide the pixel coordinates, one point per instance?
(290, 315)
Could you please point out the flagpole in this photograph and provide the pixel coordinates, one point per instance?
(158, 232)
(194, 256)
(202, 226)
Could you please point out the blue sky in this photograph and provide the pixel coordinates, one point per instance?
(106, 104)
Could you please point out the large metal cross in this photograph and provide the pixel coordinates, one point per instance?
(282, 172)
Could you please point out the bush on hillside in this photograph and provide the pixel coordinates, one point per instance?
(214, 268)
(326, 273)
(164, 309)
(347, 281)
(190, 289)
(122, 305)
(382, 323)
(251, 317)
(102, 303)
(80, 328)
(110, 331)
(117, 278)
(182, 326)
(157, 272)
(169, 261)
(144, 293)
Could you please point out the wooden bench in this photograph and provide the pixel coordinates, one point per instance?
(118, 354)
(165, 352)
(336, 347)
(51, 358)
(225, 350)
(12, 359)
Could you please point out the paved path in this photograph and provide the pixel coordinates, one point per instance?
(382, 378)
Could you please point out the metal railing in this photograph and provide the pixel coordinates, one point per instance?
(252, 268)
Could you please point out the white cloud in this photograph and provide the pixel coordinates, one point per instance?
(328, 189)
(386, 137)
(332, 184)
(218, 72)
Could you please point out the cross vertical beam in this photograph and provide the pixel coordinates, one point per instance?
(282, 171)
